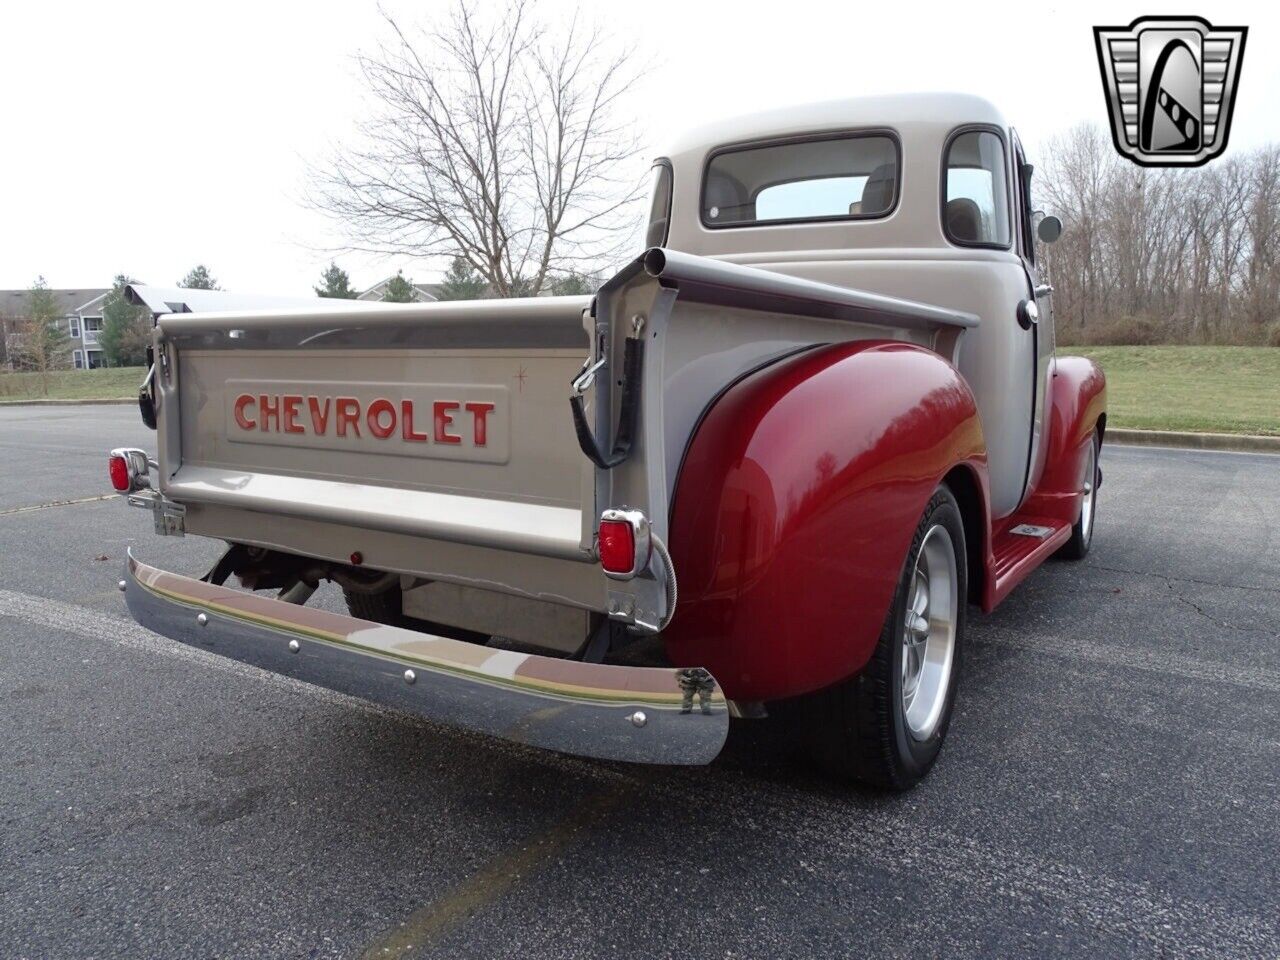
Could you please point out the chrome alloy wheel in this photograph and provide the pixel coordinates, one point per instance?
(929, 633)
(1090, 482)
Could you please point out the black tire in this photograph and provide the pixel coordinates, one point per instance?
(1077, 548)
(857, 730)
(385, 607)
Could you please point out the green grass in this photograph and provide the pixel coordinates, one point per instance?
(104, 384)
(1200, 389)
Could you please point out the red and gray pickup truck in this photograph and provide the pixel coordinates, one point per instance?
(766, 468)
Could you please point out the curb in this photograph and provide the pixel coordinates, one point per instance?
(1238, 442)
(66, 403)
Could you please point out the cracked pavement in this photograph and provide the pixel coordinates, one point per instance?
(1110, 786)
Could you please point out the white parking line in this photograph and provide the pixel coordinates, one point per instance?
(58, 503)
(1135, 658)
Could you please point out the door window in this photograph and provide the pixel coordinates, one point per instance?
(976, 202)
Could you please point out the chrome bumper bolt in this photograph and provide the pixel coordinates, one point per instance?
(121, 585)
(294, 646)
(202, 619)
(638, 719)
(410, 676)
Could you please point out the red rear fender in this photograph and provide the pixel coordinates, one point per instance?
(795, 506)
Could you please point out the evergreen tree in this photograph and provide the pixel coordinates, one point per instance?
(43, 337)
(199, 278)
(336, 284)
(573, 284)
(462, 282)
(126, 328)
(399, 290)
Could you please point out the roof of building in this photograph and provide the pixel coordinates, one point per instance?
(426, 291)
(17, 303)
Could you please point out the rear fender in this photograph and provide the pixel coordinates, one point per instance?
(796, 504)
(1078, 406)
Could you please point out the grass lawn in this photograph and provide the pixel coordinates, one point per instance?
(103, 384)
(1205, 389)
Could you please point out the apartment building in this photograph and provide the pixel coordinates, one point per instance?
(80, 313)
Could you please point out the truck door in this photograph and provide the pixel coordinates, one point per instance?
(1035, 314)
(982, 211)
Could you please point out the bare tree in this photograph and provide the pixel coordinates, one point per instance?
(1172, 255)
(493, 139)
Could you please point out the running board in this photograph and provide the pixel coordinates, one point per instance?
(1019, 549)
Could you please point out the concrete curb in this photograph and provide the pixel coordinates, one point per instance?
(65, 403)
(1239, 442)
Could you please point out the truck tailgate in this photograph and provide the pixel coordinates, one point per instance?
(443, 421)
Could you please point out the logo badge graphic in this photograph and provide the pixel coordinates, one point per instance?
(1170, 84)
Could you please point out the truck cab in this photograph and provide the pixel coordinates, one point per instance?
(765, 469)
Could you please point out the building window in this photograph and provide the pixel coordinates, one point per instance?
(79, 359)
(92, 326)
(95, 359)
(75, 328)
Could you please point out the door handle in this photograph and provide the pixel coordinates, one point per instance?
(1044, 290)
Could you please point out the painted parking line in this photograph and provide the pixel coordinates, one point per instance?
(58, 503)
(432, 922)
(1252, 677)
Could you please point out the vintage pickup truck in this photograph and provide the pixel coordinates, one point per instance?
(763, 470)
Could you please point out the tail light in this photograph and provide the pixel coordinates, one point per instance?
(624, 543)
(119, 471)
(128, 468)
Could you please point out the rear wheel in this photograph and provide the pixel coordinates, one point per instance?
(886, 725)
(1082, 530)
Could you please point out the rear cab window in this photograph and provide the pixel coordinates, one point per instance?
(975, 199)
(838, 177)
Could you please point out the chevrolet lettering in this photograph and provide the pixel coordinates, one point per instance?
(769, 469)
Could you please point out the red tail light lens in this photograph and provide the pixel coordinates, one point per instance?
(119, 471)
(617, 546)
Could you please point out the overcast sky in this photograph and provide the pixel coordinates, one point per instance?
(147, 137)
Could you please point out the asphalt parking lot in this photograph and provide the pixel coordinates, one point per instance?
(1110, 786)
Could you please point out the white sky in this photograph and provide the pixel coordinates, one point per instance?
(147, 137)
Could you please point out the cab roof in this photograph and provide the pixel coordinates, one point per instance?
(943, 110)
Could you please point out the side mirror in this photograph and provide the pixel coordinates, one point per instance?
(1049, 229)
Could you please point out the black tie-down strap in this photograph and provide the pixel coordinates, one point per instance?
(632, 355)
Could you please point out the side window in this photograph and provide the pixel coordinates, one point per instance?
(975, 209)
(1026, 216)
(659, 206)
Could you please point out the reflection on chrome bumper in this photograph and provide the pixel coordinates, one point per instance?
(637, 714)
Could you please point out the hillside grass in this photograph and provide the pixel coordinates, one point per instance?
(1198, 389)
(113, 383)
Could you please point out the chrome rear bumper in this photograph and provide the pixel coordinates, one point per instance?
(635, 714)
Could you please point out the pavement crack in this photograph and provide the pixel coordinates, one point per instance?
(1167, 578)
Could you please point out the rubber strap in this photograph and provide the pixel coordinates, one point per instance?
(632, 357)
